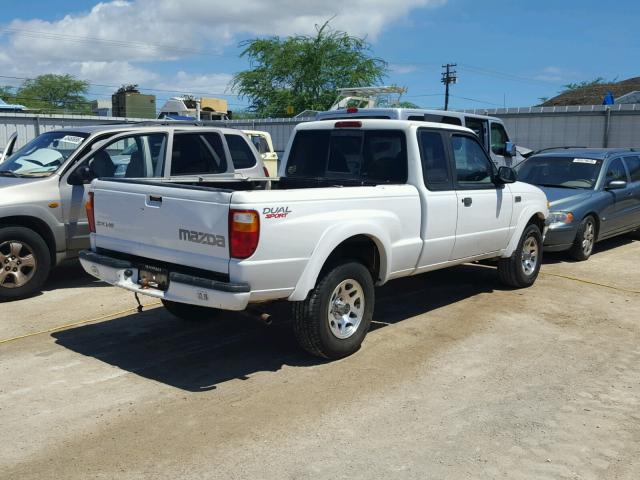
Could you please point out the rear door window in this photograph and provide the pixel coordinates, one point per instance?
(367, 155)
(197, 153)
(435, 165)
(241, 154)
(633, 165)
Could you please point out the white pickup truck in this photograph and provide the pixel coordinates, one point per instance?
(358, 203)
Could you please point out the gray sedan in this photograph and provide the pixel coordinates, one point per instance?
(593, 194)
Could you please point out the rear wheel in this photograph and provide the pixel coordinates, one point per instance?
(25, 262)
(521, 269)
(188, 312)
(334, 319)
(585, 239)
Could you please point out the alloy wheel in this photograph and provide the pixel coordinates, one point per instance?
(346, 309)
(17, 264)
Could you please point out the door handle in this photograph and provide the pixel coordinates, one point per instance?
(467, 201)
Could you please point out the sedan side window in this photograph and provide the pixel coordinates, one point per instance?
(633, 164)
(473, 167)
(615, 171)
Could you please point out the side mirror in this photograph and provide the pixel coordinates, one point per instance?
(510, 149)
(506, 175)
(616, 185)
(82, 176)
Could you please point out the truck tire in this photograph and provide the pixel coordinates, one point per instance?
(585, 239)
(184, 311)
(25, 262)
(334, 319)
(521, 269)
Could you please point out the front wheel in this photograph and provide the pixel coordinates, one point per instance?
(25, 262)
(334, 319)
(521, 269)
(585, 239)
(189, 312)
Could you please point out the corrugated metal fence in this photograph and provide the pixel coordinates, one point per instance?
(535, 127)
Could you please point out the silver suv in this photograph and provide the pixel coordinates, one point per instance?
(43, 185)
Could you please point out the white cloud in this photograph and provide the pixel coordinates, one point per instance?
(112, 42)
(403, 68)
(553, 74)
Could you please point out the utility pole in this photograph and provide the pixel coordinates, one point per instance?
(448, 76)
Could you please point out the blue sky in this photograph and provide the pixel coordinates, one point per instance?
(508, 52)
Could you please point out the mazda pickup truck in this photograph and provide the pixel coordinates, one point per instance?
(358, 203)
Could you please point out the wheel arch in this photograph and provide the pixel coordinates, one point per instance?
(367, 248)
(38, 226)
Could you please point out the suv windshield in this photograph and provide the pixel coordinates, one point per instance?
(561, 172)
(44, 154)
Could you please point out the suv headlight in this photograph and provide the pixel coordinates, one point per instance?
(560, 218)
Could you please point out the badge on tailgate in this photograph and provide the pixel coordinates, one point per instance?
(205, 238)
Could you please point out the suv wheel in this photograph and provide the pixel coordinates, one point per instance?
(334, 319)
(521, 269)
(25, 262)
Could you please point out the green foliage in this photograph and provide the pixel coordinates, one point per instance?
(6, 94)
(304, 72)
(570, 87)
(58, 93)
(408, 105)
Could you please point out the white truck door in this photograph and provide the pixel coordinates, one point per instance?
(484, 209)
(438, 197)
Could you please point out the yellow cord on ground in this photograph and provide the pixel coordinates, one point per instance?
(75, 324)
(575, 279)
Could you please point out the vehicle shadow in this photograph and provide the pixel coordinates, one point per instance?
(71, 275)
(600, 247)
(197, 356)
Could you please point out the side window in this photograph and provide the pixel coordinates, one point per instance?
(197, 153)
(384, 156)
(260, 143)
(435, 168)
(498, 138)
(615, 171)
(479, 127)
(473, 167)
(135, 156)
(241, 154)
(633, 165)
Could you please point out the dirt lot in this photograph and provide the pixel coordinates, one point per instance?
(459, 379)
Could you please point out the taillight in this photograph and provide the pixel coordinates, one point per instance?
(266, 172)
(352, 110)
(244, 233)
(90, 213)
(348, 124)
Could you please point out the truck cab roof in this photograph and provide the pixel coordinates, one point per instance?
(378, 123)
(400, 114)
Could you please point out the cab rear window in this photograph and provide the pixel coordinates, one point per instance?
(377, 156)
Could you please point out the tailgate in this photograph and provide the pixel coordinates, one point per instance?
(183, 225)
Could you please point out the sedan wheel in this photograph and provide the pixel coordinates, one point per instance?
(582, 247)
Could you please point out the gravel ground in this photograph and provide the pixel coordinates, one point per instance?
(460, 378)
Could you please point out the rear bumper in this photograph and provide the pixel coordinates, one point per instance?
(182, 288)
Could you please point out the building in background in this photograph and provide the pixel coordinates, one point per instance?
(102, 108)
(129, 102)
(189, 108)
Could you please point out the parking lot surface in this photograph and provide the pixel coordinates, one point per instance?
(459, 378)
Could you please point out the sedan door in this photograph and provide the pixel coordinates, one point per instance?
(618, 214)
(633, 167)
(484, 208)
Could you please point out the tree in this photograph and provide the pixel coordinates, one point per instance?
(569, 87)
(304, 72)
(6, 94)
(52, 92)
